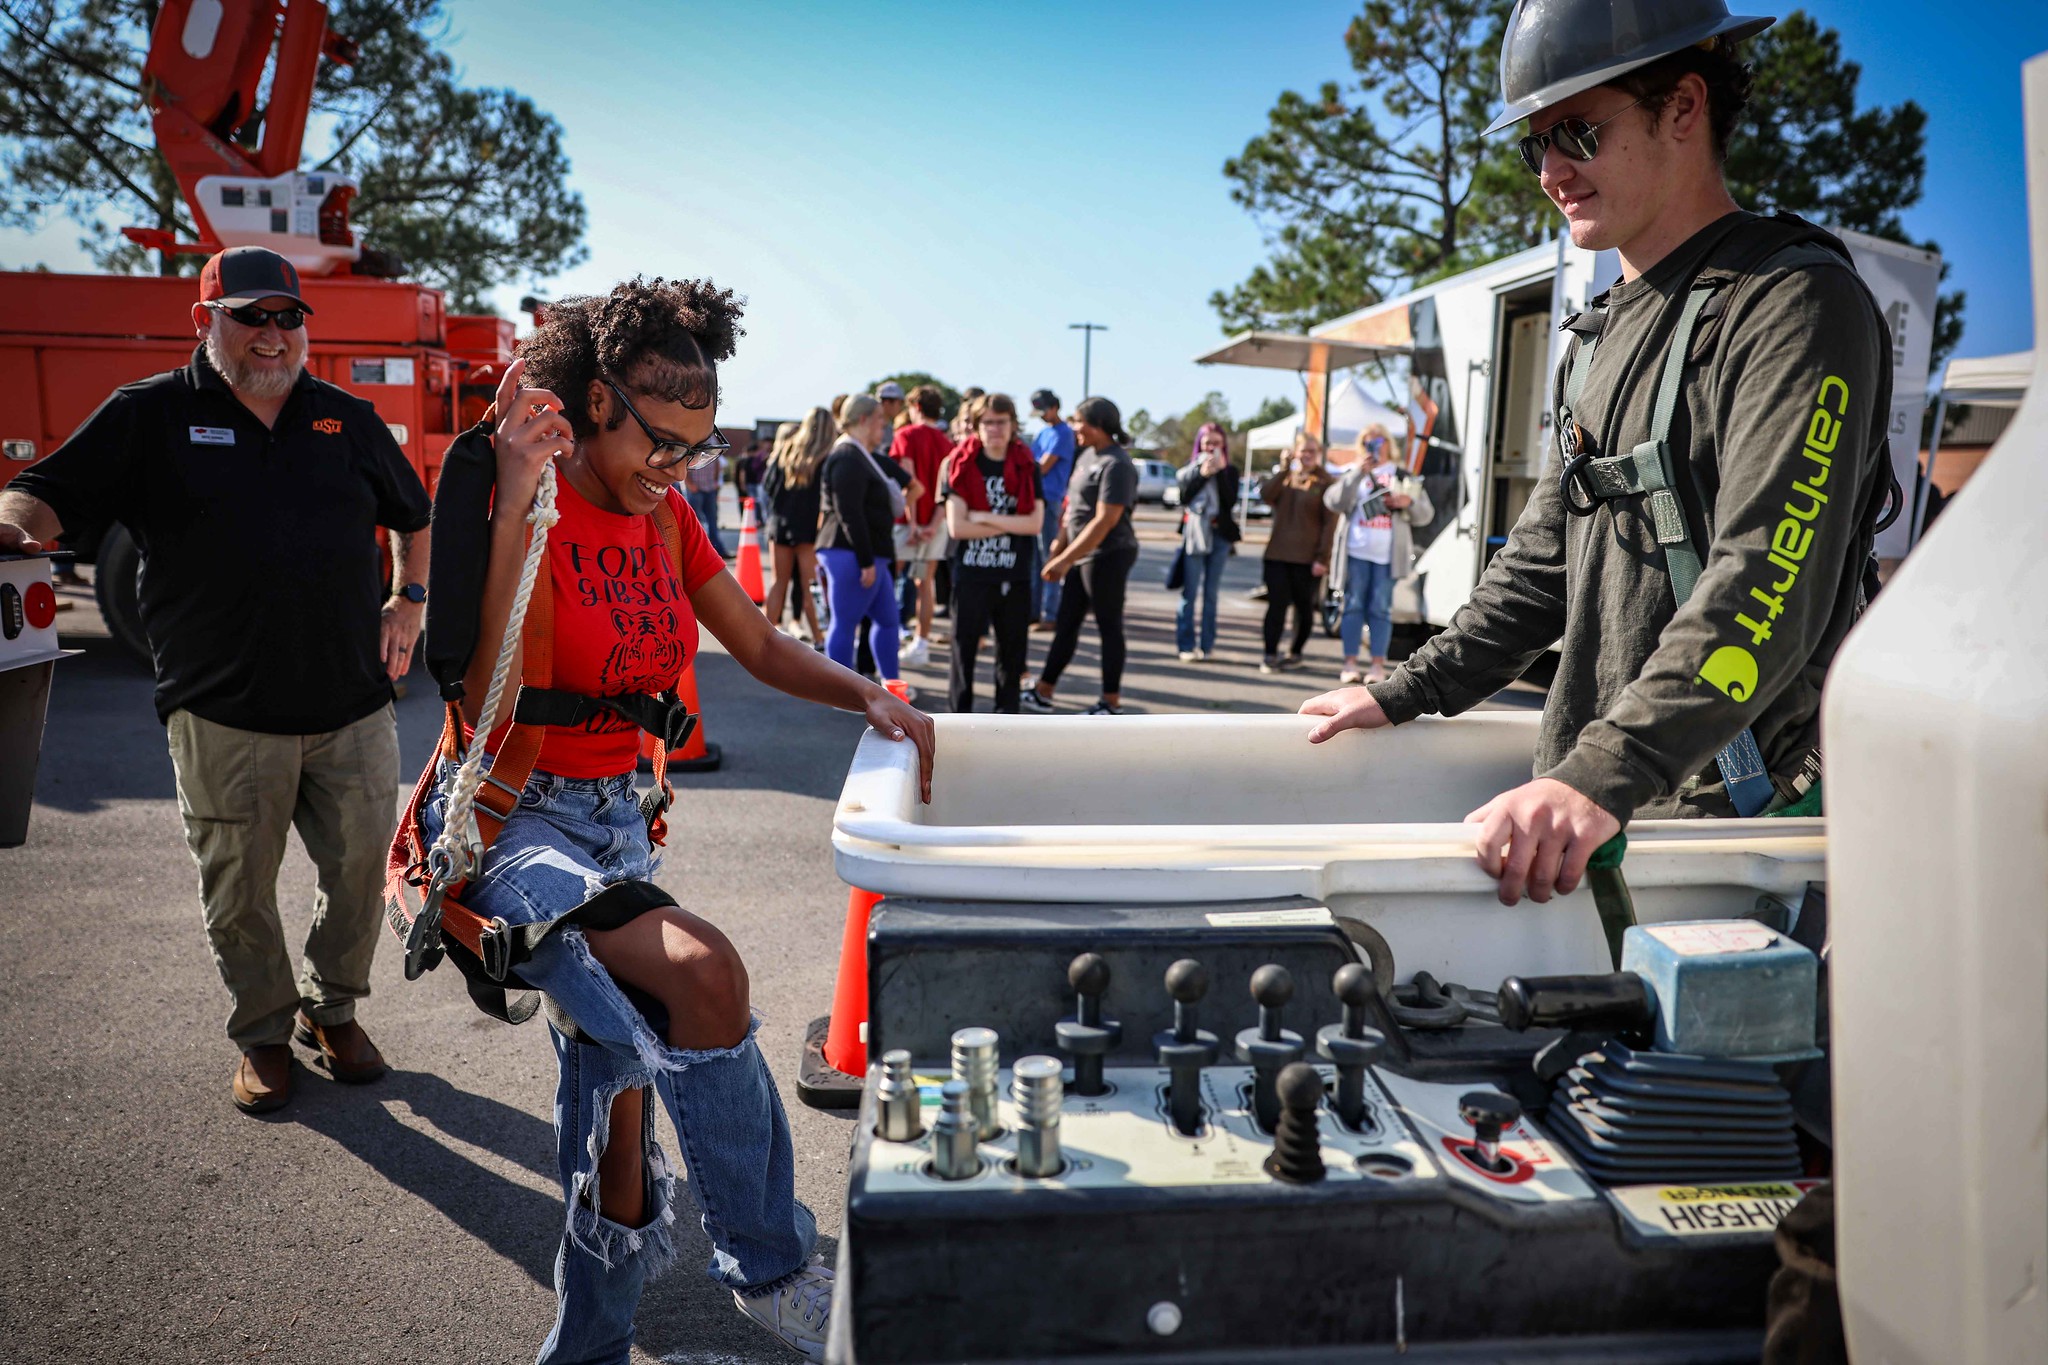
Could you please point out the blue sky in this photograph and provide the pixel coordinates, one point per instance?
(902, 186)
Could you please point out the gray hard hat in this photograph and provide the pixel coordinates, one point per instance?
(1556, 48)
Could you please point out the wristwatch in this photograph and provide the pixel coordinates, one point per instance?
(414, 592)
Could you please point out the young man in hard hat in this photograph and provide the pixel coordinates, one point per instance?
(1697, 586)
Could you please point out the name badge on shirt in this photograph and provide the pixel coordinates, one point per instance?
(212, 436)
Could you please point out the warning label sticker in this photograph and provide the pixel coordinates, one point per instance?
(1267, 919)
(1709, 1210)
(1718, 936)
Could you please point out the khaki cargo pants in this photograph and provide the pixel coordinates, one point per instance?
(241, 793)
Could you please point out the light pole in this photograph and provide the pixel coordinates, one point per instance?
(1087, 331)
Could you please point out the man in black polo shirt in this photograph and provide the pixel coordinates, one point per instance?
(255, 492)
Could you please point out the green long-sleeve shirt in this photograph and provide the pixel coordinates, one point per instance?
(1781, 446)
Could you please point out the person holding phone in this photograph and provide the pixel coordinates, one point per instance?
(1208, 537)
(1376, 505)
(1297, 548)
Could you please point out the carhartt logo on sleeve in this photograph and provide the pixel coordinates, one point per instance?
(212, 436)
(1732, 669)
(328, 426)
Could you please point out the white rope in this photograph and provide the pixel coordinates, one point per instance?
(456, 854)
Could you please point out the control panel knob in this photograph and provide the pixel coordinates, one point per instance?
(1297, 1143)
(1087, 1036)
(1186, 1048)
(1269, 1047)
(954, 1153)
(899, 1108)
(1352, 1044)
(1490, 1113)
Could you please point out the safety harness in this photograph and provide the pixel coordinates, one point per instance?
(423, 883)
(1651, 470)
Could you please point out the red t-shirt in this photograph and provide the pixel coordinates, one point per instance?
(623, 622)
(922, 448)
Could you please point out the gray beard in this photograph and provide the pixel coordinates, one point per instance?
(247, 381)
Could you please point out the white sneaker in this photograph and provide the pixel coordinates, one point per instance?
(797, 1312)
(1188, 656)
(916, 654)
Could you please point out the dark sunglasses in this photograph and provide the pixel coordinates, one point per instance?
(1575, 137)
(666, 453)
(249, 315)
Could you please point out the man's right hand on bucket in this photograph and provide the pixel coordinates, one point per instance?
(1346, 708)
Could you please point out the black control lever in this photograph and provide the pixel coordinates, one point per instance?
(1614, 1002)
(1087, 1036)
(1269, 1047)
(1185, 1049)
(1353, 1044)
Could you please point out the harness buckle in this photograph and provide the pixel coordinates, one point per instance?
(1569, 479)
(655, 803)
(494, 945)
(423, 950)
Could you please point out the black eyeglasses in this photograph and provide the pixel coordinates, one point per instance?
(1575, 137)
(249, 315)
(666, 453)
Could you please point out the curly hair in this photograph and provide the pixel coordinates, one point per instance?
(1727, 78)
(662, 338)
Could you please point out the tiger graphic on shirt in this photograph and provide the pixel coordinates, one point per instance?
(649, 654)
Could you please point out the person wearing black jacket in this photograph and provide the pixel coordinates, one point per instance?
(1208, 537)
(856, 533)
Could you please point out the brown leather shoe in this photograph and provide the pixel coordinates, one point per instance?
(263, 1079)
(350, 1054)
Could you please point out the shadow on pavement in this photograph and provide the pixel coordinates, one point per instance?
(519, 1223)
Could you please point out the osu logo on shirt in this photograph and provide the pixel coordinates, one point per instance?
(328, 426)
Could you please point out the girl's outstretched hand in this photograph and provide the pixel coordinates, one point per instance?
(899, 720)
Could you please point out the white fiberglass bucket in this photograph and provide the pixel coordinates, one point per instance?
(1186, 809)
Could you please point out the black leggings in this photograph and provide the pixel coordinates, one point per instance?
(1097, 584)
(977, 605)
(1290, 585)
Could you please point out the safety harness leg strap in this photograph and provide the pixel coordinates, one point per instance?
(1649, 470)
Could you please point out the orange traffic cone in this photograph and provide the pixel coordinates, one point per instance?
(835, 1060)
(750, 555)
(698, 754)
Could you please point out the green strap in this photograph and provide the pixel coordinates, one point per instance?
(1666, 511)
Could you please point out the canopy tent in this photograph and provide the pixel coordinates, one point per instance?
(1990, 379)
(1284, 351)
(1351, 411)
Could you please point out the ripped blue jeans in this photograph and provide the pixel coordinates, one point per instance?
(567, 840)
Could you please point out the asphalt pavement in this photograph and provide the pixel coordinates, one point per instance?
(414, 1219)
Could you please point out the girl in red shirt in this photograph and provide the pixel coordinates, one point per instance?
(620, 394)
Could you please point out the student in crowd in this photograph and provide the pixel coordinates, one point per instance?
(1297, 547)
(890, 395)
(863, 494)
(991, 491)
(1053, 447)
(1094, 555)
(1208, 538)
(748, 472)
(920, 446)
(700, 490)
(1376, 504)
(962, 428)
(792, 487)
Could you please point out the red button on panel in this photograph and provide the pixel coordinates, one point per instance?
(39, 605)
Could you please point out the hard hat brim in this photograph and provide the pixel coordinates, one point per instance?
(1734, 28)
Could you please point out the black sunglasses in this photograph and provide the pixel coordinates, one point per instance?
(666, 453)
(249, 315)
(1575, 137)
